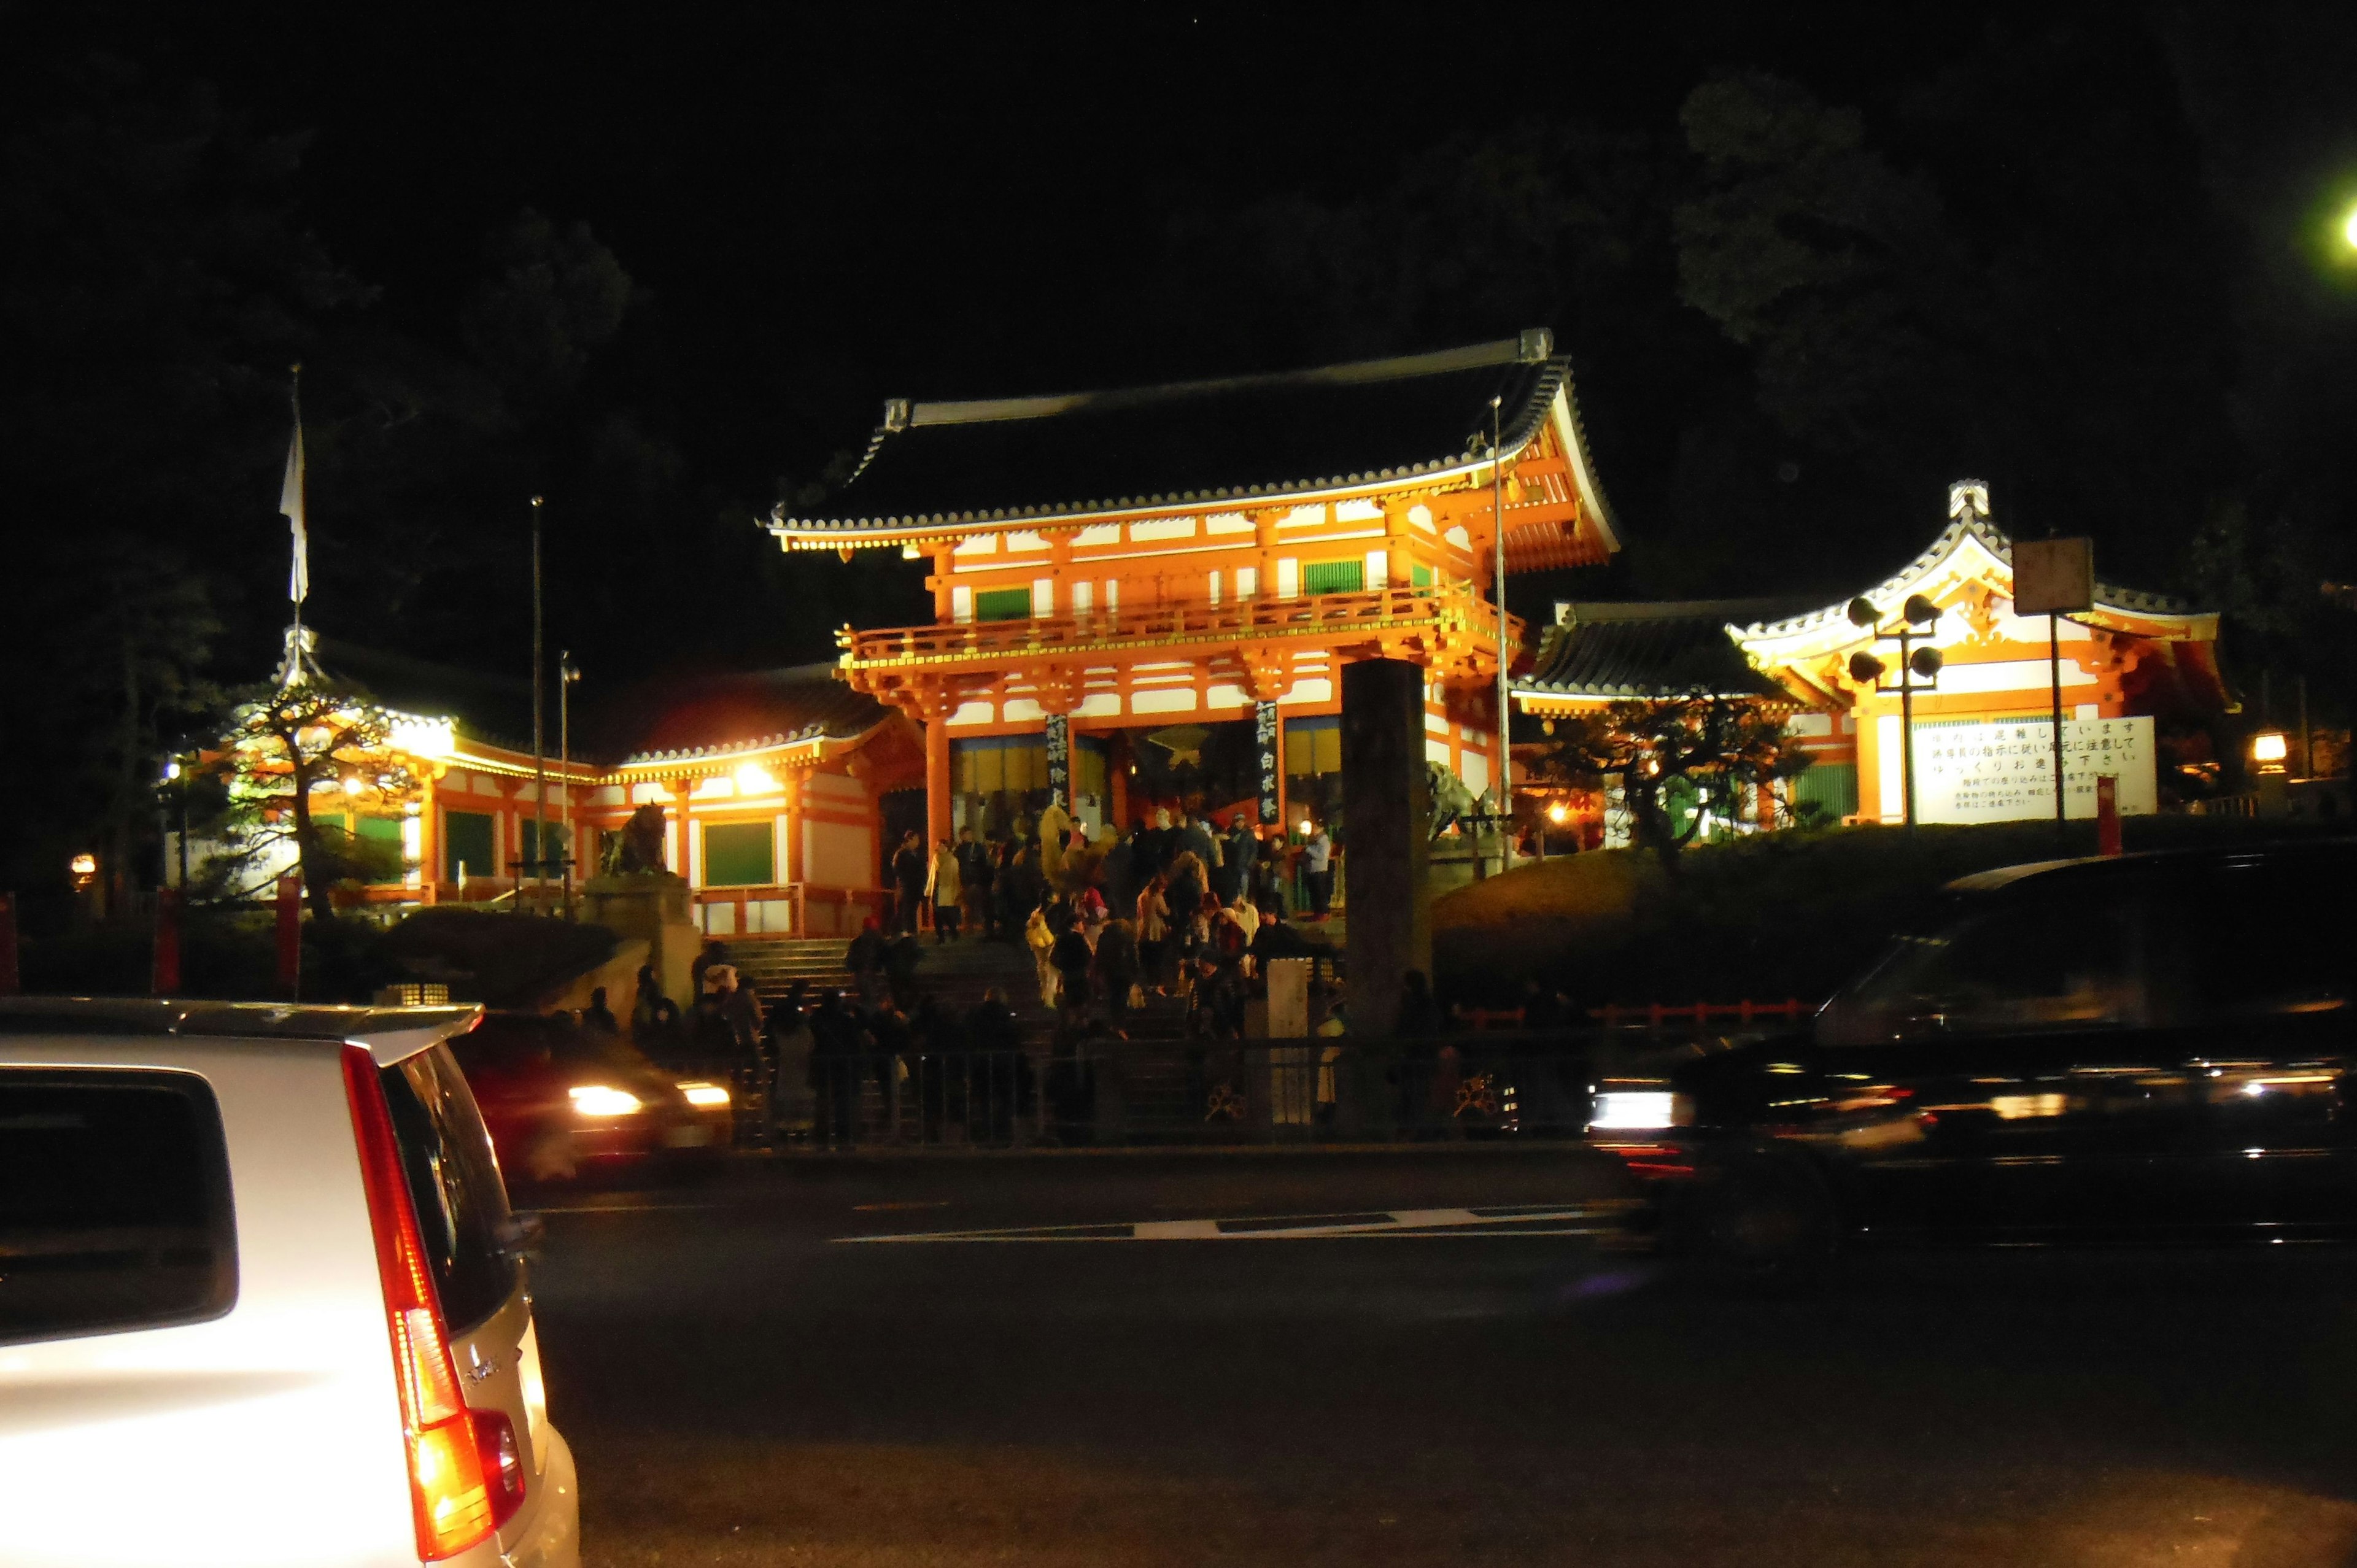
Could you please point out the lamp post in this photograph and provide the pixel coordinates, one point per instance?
(1505, 781)
(539, 857)
(568, 672)
(1919, 668)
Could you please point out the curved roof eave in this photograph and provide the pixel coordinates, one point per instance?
(1969, 530)
(1548, 397)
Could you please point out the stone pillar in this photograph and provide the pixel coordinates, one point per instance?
(1387, 815)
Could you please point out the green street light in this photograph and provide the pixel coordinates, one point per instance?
(2349, 228)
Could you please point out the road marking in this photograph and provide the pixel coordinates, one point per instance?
(1515, 1219)
(618, 1207)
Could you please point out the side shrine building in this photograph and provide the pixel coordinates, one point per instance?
(1148, 594)
(2138, 675)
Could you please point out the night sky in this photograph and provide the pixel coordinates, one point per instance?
(1811, 265)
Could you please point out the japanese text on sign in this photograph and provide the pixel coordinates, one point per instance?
(2003, 772)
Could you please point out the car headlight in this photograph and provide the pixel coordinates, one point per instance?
(603, 1100)
(705, 1096)
(1639, 1111)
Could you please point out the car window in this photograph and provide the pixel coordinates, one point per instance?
(2260, 939)
(2060, 959)
(114, 1203)
(454, 1183)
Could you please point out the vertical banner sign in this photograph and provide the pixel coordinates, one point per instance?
(164, 979)
(290, 936)
(1265, 733)
(9, 983)
(1059, 759)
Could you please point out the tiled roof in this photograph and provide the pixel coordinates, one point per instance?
(1970, 524)
(683, 719)
(495, 708)
(675, 718)
(1216, 442)
(1619, 651)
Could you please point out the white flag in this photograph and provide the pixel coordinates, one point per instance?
(290, 502)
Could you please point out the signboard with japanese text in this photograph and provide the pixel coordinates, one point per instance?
(1059, 759)
(1265, 733)
(2054, 577)
(2002, 771)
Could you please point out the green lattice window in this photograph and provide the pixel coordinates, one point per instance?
(384, 831)
(1830, 785)
(739, 854)
(470, 843)
(1003, 604)
(1333, 577)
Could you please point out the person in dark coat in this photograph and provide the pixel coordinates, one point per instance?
(1072, 961)
(711, 953)
(1239, 859)
(1120, 881)
(598, 1019)
(1419, 1014)
(891, 1042)
(976, 865)
(1001, 1076)
(834, 1074)
(1117, 970)
(901, 956)
(864, 958)
(909, 874)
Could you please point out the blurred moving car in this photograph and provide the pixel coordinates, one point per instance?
(2130, 1045)
(261, 1300)
(561, 1099)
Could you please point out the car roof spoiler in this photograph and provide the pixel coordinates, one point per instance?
(389, 1034)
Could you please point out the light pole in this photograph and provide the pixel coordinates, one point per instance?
(567, 675)
(1867, 671)
(1505, 781)
(539, 856)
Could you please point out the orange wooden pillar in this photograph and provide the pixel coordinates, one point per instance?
(936, 714)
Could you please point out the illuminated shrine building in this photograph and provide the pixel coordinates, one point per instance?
(770, 783)
(1152, 592)
(2135, 666)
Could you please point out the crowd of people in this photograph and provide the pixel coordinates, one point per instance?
(990, 888)
(1182, 909)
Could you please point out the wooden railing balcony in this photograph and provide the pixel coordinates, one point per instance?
(1448, 614)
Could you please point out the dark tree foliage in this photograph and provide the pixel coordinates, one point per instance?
(1677, 760)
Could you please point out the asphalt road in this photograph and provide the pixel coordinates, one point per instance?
(1469, 1383)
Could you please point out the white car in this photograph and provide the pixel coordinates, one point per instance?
(261, 1300)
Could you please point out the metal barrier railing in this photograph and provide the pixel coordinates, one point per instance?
(1194, 1092)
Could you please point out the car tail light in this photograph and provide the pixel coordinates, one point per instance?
(502, 1460)
(453, 1504)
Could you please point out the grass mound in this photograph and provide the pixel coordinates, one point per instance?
(1771, 916)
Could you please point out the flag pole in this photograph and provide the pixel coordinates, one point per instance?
(539, 745)
(302, 574)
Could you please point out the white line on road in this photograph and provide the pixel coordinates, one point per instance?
(1524, 1219)
(620, 1208)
